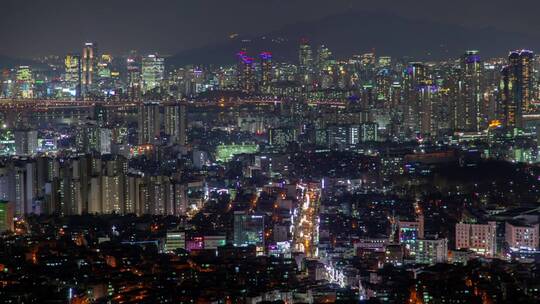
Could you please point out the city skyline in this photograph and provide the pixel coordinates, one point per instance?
(170, 28)
(270, 152)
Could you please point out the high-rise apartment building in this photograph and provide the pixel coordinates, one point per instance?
(149, 122)
(246, 73)
(471, 91)
(517, 88)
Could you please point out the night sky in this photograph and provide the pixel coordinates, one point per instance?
(39, 27)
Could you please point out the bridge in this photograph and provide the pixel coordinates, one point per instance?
(42, 105)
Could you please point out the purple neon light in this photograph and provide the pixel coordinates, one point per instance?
(473, 58)
(266, 55)
(431, 88)
(245, 59)
(409, 70)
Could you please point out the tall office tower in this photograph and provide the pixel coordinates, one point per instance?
(89, 61)
(73, 74)
(517, 88)
(395, 96)
(248, 230)
(383, 81)
(305, 59)
(104, 66)
(134, 76)
(153, 72)
(368, 132)
(246, 77)
(368, 59)
(384, 62)
(413, 76)
(149, 122)
(6, 83)
(101, 115)
(266, 71)
(6, 216)
(323, 57)
(471, 93)
(24, 82)
(367, 97)
(480, 238)
(26, 142)
(174, 116)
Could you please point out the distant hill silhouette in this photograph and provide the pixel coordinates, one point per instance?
(359, 32)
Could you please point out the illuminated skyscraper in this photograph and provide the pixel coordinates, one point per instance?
(471, 91)
(89, 61)
(153, 72)
(429, 108)
(368, 132)
(266, 71)
(414, 76)
(517, 88)
(104, 66)
(507, 107)
(384, 61)
(246, 77)
(454, 83)
(134, 76)
(368, 59)
(305, 58)
(72, 64)
(6, 83)
(323, 57)
(383, 80)
(24, 82)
